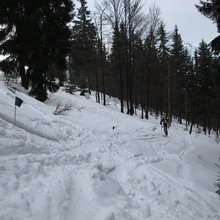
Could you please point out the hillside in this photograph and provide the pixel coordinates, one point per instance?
(75, 166)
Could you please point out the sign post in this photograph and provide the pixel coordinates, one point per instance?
(18, 103)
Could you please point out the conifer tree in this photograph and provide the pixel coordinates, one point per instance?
(204, 84)
(151, 68)
(211, 9)
(177, 73)
(36, 35)
(117, 59)
(83, 46)
(163, 56)
(187, 84)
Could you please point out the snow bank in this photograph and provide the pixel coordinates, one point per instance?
(76, 166)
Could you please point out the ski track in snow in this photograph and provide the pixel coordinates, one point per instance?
(77, 167)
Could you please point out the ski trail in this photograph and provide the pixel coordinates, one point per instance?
(133, 187)
(95, 172)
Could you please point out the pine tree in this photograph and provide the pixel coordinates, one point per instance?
(117, 58)
(164, 57)
(216, 93)
(177, 52)
(140, 76)
(187, 84)
(177, 73)
(83, 46)
(151, 69)
(37, 37)
(204, 83)
(211, 9)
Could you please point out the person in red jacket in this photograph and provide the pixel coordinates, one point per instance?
(165, 122)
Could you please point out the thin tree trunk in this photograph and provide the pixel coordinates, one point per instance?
(24, 75)
(204, 125)
(97, 85)
(119, 68)
(217, 129)
(126, 58)
(186, 109)
(180, 113)
(209, 126)
(131, 61)
(89, 82)
(193, 115)
(127, 77)
(38, 86)
(169, 93)
(148, 94)
(102, 63)
(142, 100)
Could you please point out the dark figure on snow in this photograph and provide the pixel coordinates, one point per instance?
(165, 123)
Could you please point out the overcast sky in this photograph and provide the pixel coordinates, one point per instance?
(193, 26)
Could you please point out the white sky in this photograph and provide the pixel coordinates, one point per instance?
(193, 26)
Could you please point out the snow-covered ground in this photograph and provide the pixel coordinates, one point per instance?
(76, 167)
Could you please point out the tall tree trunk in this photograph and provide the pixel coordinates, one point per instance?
(161, 103)
(193, 115)
(180, 113)
(148, 94)
(126, 56)
(209, 126)
(89, 81)
(204, 124)
(38, 86)
(97, 85)
(169, 93)
(142, 99)
(119, 67)
(217, 128)
(186, 109)
(102, 62)
(131, 67)
(121, 91)
(127, 77)
(24, 75)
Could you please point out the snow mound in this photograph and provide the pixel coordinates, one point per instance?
(76, 166)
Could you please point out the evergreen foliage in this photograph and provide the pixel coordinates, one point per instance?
(151, 70)
(83, 47)
(35, 34)
(204, 76)
(177, 73)
(164, 64)
(211, 9)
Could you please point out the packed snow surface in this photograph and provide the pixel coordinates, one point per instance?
(75, 166)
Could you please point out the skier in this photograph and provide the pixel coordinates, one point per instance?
(165, 122)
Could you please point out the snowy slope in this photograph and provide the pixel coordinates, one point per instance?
(76, 167)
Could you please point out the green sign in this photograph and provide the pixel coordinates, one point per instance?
(18, 101)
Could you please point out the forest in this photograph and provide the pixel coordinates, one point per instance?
(119, 50)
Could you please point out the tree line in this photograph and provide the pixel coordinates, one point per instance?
(118, 51)
(143, 65)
